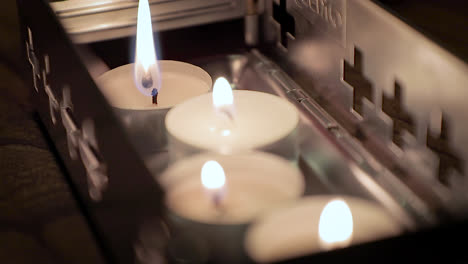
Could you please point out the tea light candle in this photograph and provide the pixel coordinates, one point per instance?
(317, 223)
(254, 183)
(212, 198)
(179, 82)
(231, 121)
(143, 120)
(149, 84)
(143, 92)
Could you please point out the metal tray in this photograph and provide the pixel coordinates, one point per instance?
(122, 200)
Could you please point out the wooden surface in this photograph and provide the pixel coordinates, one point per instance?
(40, 221)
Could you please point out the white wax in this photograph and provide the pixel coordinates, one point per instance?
(293, 231)
(179, 82)
(255, 183)
(260, 119)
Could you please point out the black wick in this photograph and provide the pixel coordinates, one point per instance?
(147, 82)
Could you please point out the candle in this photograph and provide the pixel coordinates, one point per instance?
(213, 179)
(143, 120)
(230, 121)
(179, 82)
(254, 182)
(335, 225)
(212, 198)
(317, 223)
(143, 92)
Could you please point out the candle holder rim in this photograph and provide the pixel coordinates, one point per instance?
(261, 145)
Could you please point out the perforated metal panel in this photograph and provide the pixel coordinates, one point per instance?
(396, 92)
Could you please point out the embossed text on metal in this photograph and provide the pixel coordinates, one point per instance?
(326, 15)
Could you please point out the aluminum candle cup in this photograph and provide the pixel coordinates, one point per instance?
(259, 121)
(255, 183)
(317, 223)
(143, 120)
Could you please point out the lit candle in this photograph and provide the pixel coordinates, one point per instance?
(230, 121)
(335, 225)
(179, 82)
(212, 198)
(143, 92)
(317, 223)
(214, 180)
(240, 185)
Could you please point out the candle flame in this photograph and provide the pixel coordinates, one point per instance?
(147, 74)
(212, 175)
(223, 99)
(335, 225)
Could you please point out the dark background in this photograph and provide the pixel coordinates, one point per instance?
(40, 221)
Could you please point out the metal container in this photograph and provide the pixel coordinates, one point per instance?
(382, 111)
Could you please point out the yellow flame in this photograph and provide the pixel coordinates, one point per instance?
(223, 99)
(212, 175)
(335, 224)
(145, 58)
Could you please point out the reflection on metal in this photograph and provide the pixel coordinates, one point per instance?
(53, 102)
(83, 141)
(95, 168)
(329, 16)
(69, 123)
(32, 59)
(381, 80)
(320, 155)
(89, 21)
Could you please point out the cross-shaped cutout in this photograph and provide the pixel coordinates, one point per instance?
(280, 14)
(402, 120)
(69, 123)
(90, 157)
(53, 102)
(32, 59)
(362, 87)
(448, 158)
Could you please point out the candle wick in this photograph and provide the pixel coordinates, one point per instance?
(154, 94)
(147, 83)
(217, 200)
(228, 113)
